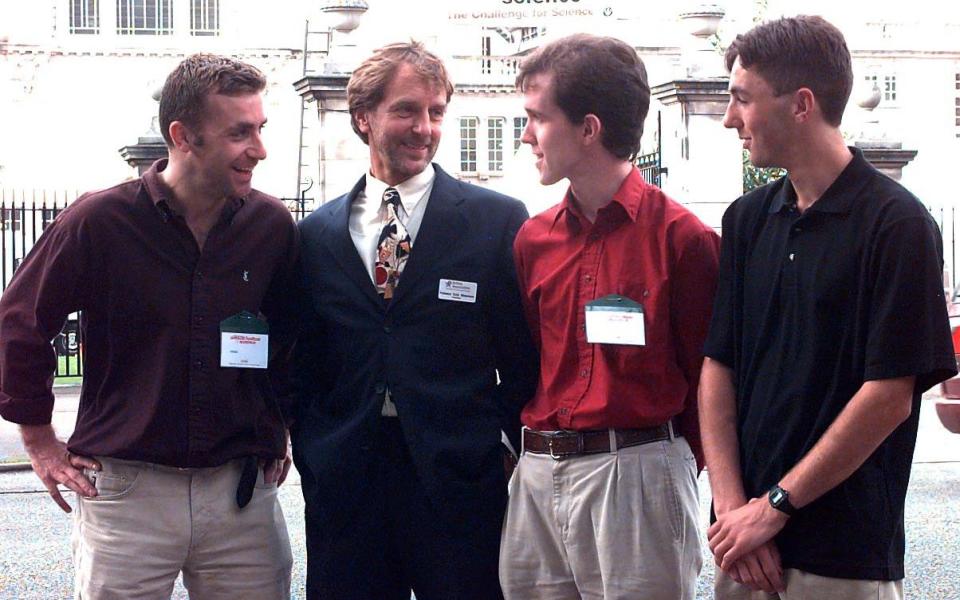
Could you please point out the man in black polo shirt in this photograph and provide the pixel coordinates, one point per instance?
(829, 323)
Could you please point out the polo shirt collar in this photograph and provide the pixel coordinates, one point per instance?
(628, 196)
(839, 197)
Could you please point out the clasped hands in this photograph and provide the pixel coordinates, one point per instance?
(741, 541)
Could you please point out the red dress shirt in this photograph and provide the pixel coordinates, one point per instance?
(644, 246)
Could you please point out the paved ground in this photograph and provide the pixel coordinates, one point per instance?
(34, 533)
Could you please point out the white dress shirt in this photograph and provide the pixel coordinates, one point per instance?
(368, 215)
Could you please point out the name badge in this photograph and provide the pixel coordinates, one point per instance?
(615, 319)
(457, 291)
(244, 342)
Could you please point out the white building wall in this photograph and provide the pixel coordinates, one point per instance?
(69, 102)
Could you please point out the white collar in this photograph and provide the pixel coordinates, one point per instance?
(411, 191)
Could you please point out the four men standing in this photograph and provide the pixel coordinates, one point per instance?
(421, 309)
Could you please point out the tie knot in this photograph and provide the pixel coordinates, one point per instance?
(391, 196)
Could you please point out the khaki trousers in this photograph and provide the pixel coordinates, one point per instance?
(620, 525)
(150, 522)
(807, 586)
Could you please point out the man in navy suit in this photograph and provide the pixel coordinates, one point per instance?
(414, 359)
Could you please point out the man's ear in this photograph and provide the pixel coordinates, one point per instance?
(181, 136)
(591, 128)
(804, 104)
(363, 123)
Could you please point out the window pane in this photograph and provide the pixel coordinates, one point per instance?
(145, 17)
(84, 16)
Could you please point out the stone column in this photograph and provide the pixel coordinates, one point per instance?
(343, 157)
(149, 148)
(887, 155)
(703, 160)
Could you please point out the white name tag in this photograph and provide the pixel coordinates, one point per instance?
(245, 350)
(457, 291)
(615, 320)
(244, 341)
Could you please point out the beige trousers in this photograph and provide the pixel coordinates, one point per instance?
(612, 526)
(807, 586)
(149, 522)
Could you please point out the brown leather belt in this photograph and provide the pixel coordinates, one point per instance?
(564, 444)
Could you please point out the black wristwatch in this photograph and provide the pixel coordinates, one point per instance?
(780, 499)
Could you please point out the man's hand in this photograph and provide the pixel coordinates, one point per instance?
(54, 465)
(277, 470)
(760, 569)
(741, 531)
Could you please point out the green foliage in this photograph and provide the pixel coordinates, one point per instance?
(754, 177)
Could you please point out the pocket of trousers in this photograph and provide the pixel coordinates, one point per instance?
(111, 486)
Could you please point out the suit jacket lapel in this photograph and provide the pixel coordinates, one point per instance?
(338, 241)
(442, 227)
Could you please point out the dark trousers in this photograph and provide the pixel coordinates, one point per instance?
(394, 542)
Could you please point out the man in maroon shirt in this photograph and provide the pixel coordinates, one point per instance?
(617, 282)
(174, 274)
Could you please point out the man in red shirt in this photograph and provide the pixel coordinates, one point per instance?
(617, 282)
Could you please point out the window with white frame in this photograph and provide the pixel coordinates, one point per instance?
(204, 17)
(84, 17)
(519, 124)
(468, 144)
(495, 126)
(887, 84)
(144, 17)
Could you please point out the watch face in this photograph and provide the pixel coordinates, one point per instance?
(776, 496)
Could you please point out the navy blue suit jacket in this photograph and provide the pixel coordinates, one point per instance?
(440, 359)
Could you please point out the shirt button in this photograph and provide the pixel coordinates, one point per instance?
(198, 364)
(791, 256)
(588, 278)
(198, 275)
(380, 389)
(387, 329)
(584, 373)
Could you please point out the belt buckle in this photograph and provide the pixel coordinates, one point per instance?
(565, 454)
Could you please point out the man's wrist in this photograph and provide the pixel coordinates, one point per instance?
(33, 435)
(779, 499)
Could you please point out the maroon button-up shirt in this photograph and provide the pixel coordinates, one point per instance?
(152, 303)
(644, 246)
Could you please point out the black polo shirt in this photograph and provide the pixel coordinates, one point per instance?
(810, 306)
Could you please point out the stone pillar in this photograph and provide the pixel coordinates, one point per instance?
(703, 160)
(343, 157)
(886, 155)
(149, 148)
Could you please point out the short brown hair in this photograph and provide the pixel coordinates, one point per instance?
(795, 52)
(596, 75)
(185, 91)
(369, 81)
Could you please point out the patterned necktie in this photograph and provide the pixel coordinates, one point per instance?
(393, 247)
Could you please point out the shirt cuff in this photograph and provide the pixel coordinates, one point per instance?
(27, 411)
